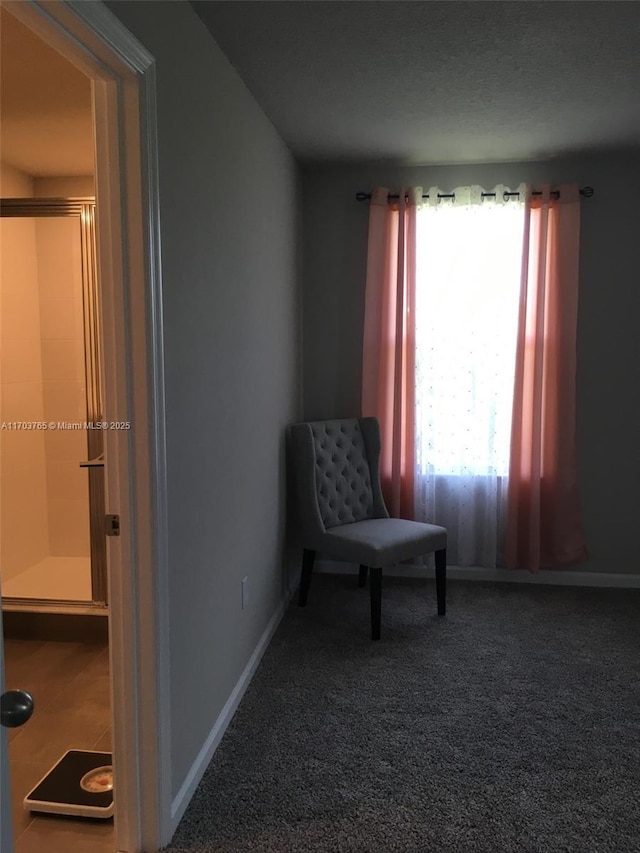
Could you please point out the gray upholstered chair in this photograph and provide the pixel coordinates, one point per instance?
(342, 511)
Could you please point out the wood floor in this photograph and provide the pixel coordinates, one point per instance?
(70, 686)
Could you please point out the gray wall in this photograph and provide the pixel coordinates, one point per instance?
(229, 195)
(608, 403)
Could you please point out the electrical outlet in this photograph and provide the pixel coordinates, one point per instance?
(245, 592)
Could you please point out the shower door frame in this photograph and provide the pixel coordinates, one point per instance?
(82, 209)
(123, 79)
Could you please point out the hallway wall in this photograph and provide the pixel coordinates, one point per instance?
(229, 220)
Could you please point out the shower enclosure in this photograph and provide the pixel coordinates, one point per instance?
(52, 538)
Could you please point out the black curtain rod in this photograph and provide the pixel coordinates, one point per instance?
(587, 192)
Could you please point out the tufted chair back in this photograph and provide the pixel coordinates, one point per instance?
(336, 465)
(343, 481)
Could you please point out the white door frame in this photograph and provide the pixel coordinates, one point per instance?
(127, 207)
(6, 816)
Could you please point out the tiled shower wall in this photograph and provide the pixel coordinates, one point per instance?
(63, 384)
(45, 508)
(24, 538)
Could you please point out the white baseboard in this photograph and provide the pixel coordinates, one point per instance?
(195, 774)
(548, 576)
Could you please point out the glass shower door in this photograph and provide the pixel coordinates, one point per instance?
(49, 386)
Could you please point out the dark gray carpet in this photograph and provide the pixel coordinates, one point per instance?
(512, 724)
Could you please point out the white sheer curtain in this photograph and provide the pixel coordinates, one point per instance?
(469, 257)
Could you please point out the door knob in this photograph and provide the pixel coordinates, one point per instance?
(16, 707)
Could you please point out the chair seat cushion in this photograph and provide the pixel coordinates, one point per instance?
(378, 542)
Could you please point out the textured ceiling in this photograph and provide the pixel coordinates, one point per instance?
(46, 126)
(438, 82)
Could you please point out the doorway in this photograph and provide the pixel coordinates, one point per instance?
(123, 84)
(52, 544)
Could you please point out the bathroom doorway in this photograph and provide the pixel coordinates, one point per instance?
(52, 540)
(122, 79)
(53, 566)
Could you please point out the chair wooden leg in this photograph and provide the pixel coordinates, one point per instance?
(308, 558)
(441, 580)
(376, 602)
(362, 576)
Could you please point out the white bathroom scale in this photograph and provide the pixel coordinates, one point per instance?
(79, 785)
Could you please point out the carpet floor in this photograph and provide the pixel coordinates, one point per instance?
(511, 725)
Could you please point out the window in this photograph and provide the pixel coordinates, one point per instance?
(469, 259)
(458, 448)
